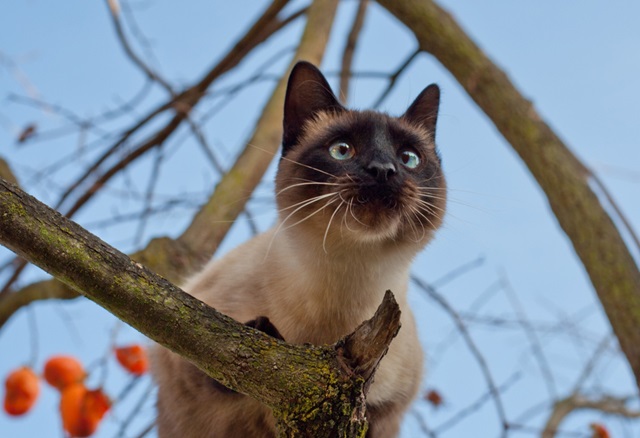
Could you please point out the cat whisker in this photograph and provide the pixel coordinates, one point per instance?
(318, 182)
(420, 213)
(353, 214)
(346, 210)
(412, 225)
(426, 191)
(434, 177)
(329, 202)
(429, 209)
(350, 179)
(290, 160)
(429, 206)
(349, 209)
(309, 167)
(315, 198)
(431, 192)
(326, 233)
(301, 205)
(310, 183)
(442, 189)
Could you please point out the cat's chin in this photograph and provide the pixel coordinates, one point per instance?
(371, 226)
(377, 231)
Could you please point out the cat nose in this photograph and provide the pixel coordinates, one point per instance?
(381, 171)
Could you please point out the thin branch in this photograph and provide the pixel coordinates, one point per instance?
(591, 364)
(476, 405)
(349, 49)
(393, 77)
(148, 71)
(135, 411)
(148, 199)
(527, 327)
(457, 272)
(576, 402)
(473, 348)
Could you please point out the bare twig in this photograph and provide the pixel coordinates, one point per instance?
(576, 402)
(148, 71)
(473, 348)
(536, 346)
(476, 405)
(349, 49)
(591, 364)
(393, 78)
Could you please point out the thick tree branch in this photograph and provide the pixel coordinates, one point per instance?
(314, 391)
(565, 180)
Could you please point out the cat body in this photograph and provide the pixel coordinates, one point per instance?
(359, 195)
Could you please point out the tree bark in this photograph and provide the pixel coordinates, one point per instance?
(564, 179)
(313, 391)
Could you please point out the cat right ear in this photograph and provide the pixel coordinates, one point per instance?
(308, 92)
(424, 110)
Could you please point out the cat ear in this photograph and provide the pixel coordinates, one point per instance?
(308, 92)
(424, 110)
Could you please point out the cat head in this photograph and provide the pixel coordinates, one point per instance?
(359, 176)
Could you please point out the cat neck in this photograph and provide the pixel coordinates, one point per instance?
(333, 283)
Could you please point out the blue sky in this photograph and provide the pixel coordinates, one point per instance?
(577, 61)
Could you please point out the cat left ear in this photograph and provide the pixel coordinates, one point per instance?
(308, 92)
(424, 110)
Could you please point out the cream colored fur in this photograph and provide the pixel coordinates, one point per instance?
(325, 266)
(311, 296)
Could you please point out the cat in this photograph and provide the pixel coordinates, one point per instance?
(359, 193)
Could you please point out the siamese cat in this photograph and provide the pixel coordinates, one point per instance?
(359, 193)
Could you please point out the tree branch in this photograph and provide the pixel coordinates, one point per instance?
(313, 391)
(6, 172)
(576, 402)
(196, 251)
(235, 188)
(564, 179)
(350, 48)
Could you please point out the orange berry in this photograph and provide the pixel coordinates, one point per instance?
(82, 409)
(599, 431)
(133, 358)
(434, 397)
(97, 403)
(22, 389)
(61, 371)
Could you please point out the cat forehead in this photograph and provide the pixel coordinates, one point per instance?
(330, 125)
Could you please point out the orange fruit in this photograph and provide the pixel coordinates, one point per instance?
(82, 409)
(22, 390)
(61, 371)
(133, 358)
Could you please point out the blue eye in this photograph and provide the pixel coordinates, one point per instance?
(409, 159)
(341, 151)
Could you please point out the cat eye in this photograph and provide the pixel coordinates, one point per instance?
(409, 159)
(341, 151)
